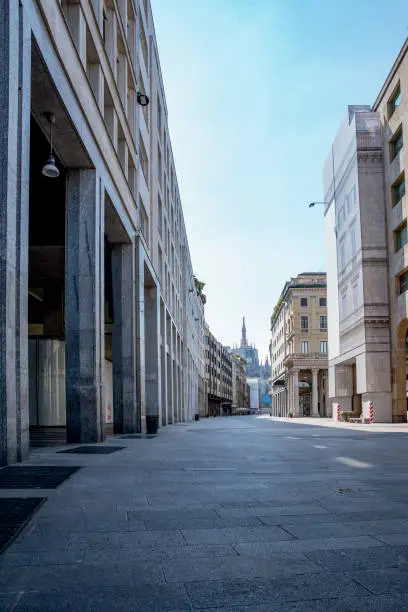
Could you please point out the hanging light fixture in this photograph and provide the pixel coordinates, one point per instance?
(50, 170)
(142, 99)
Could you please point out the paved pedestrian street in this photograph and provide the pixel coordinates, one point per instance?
(239, 514)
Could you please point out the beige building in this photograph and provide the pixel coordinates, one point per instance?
(391, 106)
(366, 235)
(239, 382)
(298, 348)
(218, 371)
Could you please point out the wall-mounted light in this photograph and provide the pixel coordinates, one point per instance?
(142, 99)
(50, 170)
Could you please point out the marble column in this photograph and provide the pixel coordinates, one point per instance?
(169, 362)
(140, 336)
(84, 306)
(315, 392)
(163, 367)
(296, 410)
(152, 358)
(290, 395)
(124, 340)
(15, 83)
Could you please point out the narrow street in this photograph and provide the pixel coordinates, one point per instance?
(240, 514)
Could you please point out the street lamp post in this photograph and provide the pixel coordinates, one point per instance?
(312, 204)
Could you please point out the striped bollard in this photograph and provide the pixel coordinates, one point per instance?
(371, 411)
(338, 412)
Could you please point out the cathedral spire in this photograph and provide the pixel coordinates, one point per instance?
(244, 341)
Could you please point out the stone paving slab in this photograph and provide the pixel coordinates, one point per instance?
(237, 534)
(228, 568)
(234, 514)
(159, 554)
(383, 603)
(79, 577)
(382, 581)
(268, 592)
(354, 560)
(144, 598)
(304, 546)
(342, 530)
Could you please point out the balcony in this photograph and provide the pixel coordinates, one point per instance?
(304, 359)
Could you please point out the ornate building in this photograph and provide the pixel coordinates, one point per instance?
(298, 348)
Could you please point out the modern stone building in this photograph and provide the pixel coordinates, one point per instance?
(366, 230)
(99, 320)
(298, 348)
(359, 333)
(218, 370)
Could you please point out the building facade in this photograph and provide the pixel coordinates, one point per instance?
(100, 321)
(298, 348)
(218, 369)
(364, 184)
(391, 107)
(356, 238)
(239, 383)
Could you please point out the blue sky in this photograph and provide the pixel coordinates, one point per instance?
(255, 92)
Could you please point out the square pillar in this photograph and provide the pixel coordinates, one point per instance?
(296, 410)
(163, 368)
(15, 83)
(125, 415)
(140, 337)
(84, 306)
(344, 387)
(152, 347)
(315, 392)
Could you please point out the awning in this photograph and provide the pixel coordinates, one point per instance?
(279, 383)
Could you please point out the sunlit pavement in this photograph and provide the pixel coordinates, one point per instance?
(236, 514)
(326, 422)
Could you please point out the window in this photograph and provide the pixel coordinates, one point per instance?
(143, 44)
(342, 254)
(323, 322)
(304, 347)
(344, 304)
(159, 215)
(353, 241)
(355, 297)
(160, 265)
(304, 322)
(323, 346)
(403, 282)
(398, 190)
(144, 222)
(303, 302)
(144, 162)
(159, 165)
(394, 101)
(159, 116)
(341, 217)
(396, 143)
(400, 237)
(323, 302)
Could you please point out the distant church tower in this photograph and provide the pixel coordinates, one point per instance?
(244, 341)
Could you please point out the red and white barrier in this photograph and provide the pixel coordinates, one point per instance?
(371, 412)
(336, 412)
